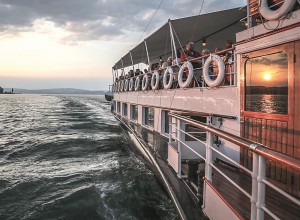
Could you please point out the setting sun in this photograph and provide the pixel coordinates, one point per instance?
(267, 76)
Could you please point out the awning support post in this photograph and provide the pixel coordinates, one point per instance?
(173, 41)
(131, 60)
(147, 53)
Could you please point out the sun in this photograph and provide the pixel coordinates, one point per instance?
(267, 76)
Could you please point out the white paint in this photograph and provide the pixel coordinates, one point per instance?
(215, 207)
(223, 100)
(173, 157)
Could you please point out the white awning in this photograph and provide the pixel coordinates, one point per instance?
(216, 28)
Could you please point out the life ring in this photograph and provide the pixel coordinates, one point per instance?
(155, 80)
(269, 14)
(131, 84)
(185, 84)
(145, 82)
(221, 71)
(167, 85)
(137, 83)
(121, 86)
(126, 85)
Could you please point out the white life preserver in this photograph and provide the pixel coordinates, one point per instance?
(126, 85)
(185, 84)
(155, 80)
(269, 14)
(167, 85)
(131, 84)
(145, 82)
(121, 86)
(221, 71)
(137, 83)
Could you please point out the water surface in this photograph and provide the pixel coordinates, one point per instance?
(65, 157)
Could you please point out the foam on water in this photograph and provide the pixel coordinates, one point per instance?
(65, 157)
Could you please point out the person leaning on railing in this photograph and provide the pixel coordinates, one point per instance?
(189, 54)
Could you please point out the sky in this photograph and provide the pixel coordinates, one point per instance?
(74, 43)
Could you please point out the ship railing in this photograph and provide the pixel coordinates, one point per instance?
(253, 16)
(230, 78)
(260, 152)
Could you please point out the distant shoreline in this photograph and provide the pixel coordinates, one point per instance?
(56, 91)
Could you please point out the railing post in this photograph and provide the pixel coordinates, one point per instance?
(208, 168)
(261, 190)
(254, 186)
(179, 147)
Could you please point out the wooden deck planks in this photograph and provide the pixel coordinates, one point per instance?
(275, 202)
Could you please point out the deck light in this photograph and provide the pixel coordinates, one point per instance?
(204, 42)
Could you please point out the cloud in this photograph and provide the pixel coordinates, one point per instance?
(87, 20)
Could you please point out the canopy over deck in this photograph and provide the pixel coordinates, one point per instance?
(216, 28)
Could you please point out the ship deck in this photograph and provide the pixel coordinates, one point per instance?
(275, 202)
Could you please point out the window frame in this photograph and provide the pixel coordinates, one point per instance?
(132, 107)
(124, 113)
(164, 114)
(145, 111)
(289, 49)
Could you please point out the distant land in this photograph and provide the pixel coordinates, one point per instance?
(56, 91)
(267, 90)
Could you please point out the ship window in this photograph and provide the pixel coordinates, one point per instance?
(195, 132)
(113, 107)
(266, 84)
(118, 107)
(124, 108)
(133, 112)
(165, 123)
(148, 116)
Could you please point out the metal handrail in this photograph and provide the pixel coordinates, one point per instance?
(255, 147)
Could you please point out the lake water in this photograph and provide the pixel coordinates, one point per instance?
(65, 157)
(272, 104)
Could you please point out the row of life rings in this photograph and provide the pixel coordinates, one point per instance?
(130, 85)
(269, 14)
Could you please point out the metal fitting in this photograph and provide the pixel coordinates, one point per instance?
(253, 147)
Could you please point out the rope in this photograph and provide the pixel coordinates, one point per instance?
(150, 21)
(195, 26)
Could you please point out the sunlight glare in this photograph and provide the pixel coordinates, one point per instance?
(267, 76)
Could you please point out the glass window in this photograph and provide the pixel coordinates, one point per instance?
(133, 112)
(196, 132)
(118, 107)
(148, 116)
(124, 107)
(165, 122)
(266, 84)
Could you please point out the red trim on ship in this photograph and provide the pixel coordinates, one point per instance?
(223, 199)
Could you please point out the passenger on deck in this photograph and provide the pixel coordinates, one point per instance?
(169, 61)
(188, 54)
(137, 72)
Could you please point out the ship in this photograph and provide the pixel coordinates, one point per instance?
(222, 136)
